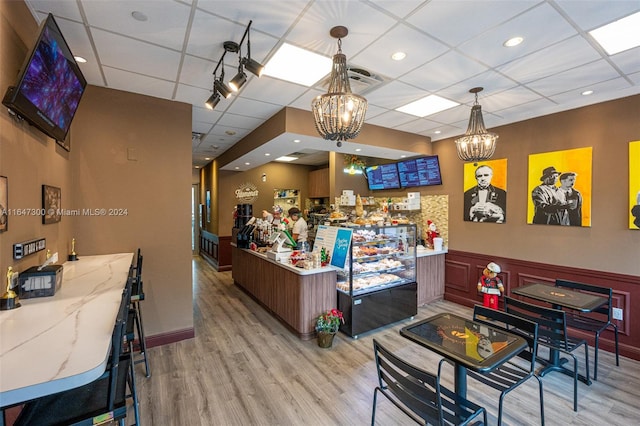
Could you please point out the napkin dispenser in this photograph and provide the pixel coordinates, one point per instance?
(35, 282)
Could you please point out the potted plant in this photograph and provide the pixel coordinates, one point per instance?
(327, 326)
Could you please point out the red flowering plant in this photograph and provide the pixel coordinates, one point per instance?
(329, 322)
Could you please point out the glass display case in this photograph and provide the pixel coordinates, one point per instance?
(378, 285)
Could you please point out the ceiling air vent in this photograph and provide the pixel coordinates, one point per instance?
(360, 80)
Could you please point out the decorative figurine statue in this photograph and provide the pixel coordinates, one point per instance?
(432, 232)
(490, 285)
(9, 300)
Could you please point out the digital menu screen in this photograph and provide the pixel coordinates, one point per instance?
(383, 176)
(423, 171)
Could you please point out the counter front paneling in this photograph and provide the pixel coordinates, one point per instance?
(430, 275)
(293, 295)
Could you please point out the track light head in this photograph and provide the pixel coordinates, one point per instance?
(213, 100)
(238, 81)
(222, 88)
(254, 67)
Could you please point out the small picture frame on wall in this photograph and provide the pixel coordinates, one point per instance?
(4, 203)
(51, 207)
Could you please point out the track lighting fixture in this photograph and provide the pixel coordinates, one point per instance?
(236, 83)
(213, 100)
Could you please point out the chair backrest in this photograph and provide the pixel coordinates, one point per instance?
(552, 323)
(417, 389)
(512, 323)
(603, 291)
(117, 345)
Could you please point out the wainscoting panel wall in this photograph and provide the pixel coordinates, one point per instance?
(463, 269)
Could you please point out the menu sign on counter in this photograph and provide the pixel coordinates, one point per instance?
(336, 241)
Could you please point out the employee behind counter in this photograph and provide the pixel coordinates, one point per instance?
(299, 231)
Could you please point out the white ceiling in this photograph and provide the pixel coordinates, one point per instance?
(451, 46)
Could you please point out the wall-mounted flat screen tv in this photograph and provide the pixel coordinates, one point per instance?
(383, 176)
(423, 171)
(50, 84)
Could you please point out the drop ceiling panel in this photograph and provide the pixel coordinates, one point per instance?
(205, 115)
(442, 71)
(488, 47)
(628, 61)
(590, 14)
(399, 8)
(394, 95)
(253, 108)
(391, 119)
(572, 79)
(138, 83)
(68, 10)
(241, 121)
(273, 90)
(193, 95)
(197, 72)
(376, 58)
(165, 26)
(454, 22)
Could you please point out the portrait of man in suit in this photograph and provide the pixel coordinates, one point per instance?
(485, 202)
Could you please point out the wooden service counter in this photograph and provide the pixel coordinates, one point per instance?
(295, 296)
(430, 275)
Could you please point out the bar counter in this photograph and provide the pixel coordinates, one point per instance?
(294, 295)
(297, 296)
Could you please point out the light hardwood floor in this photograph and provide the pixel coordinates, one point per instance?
(245, 368)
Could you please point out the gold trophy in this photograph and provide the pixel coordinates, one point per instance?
(9, 299)
(73, 256)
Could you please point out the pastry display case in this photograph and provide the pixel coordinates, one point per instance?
(378, 284)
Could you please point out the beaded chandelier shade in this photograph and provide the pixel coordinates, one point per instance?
(477, 144)
(339, 114)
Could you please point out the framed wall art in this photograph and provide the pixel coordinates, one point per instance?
(4, 203)
(485, 191)
(51, 207)
(634, 185)
(559, 186)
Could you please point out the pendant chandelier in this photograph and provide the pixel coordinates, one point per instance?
(477, 144)
(339, 114)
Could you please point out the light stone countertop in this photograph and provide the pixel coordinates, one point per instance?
(55, 343)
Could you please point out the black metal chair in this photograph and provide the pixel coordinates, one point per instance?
(418, 393)
(510, 375)
(552, 333)
(595, 321)
(137, 295)
(96, 402)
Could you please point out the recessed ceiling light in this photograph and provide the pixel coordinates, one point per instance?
(402, 156)
(398, 56)
(619, 35)
(196, 167)
(80, 59)
(358, 149)
(513, 41)
(139, 16)
(296, 65)
(247, 164)
(237, 168)
(207, 158)
(267, 154)
(437, 132)
(230, 132)
(428, 105)
(296, 141)
(286, 158)
(587, 92)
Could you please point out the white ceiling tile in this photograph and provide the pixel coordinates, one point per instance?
(197, 72)
(628, 61)
(374, 111)
(454, 22)
(136, 56)
(590, 14)
(449, 68)
(312, 30)
(305, 99)
(205, 115)
(193, 95)
(64, 10)
(586, 75)
(399, 8)
(394, 95)
(377, 57)
(138, 83)
(491, 81)
(200, 127)
(451, 115)
(598, 89)
(241, 121)
(391, 119)
(165, 25)
(209, 32)
(554, 59)
(419, 126)
(488, 47)
(253, 108)
(272, 90)
(506, 99)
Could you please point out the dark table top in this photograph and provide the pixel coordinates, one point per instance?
(562, 297)
(475, 346)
